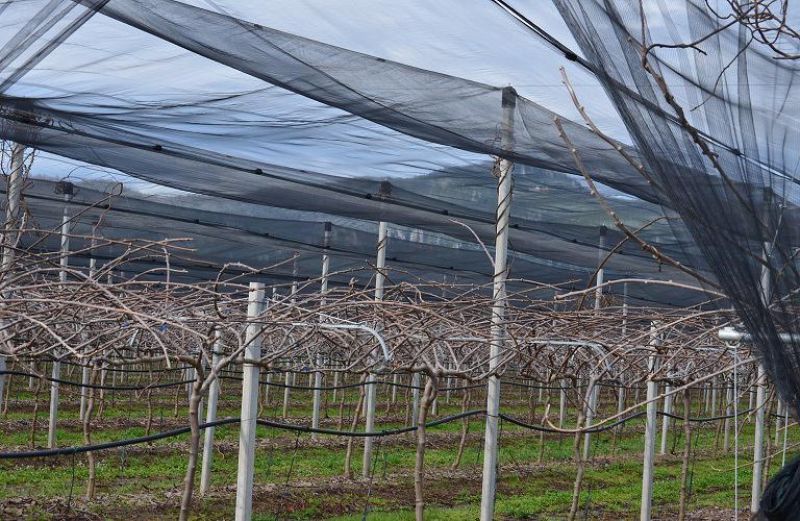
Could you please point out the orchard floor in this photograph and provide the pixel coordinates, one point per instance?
(297, 478)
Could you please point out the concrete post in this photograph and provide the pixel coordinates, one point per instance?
(66, 189)
(15, 181)
(592, 392)
(601, 253)
(415, 383)
(665, 421)
(498, 331)
(758, 445)
(728, 412)
(371, 384)
(211, 416)
(249, 414)
(650, 433)
(317, 397)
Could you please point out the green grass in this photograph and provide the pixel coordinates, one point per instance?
(612, 486)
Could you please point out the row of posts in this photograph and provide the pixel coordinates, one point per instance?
(256, 305)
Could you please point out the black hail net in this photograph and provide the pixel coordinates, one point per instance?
(161, 143)
(738, 204)
(737, 200)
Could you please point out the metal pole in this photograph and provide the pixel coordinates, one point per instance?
(211, 416)
(650, 433)
(66, 189)
(562, 403)
(247, 427)
(498, 332)
(369, 424)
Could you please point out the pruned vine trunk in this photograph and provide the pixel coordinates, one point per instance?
(194, 446)
(429, 395)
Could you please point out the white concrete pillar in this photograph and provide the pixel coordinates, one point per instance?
(415, 383)
(249, 414)
(714, 397)
(665, 421)
(650, 434)
(498, 328)
(211, 416)
(66, 189)
(371, 389)
(758, 445)
(728, 412)
(15, 181)
(286, 391)
(601, 254)
(593, 392)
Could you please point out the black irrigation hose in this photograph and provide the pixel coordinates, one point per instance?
(775, 496)
(98, 386)
(541, 428)
(312, 388)
(225, 377)
(228, 421)
(621, 421)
